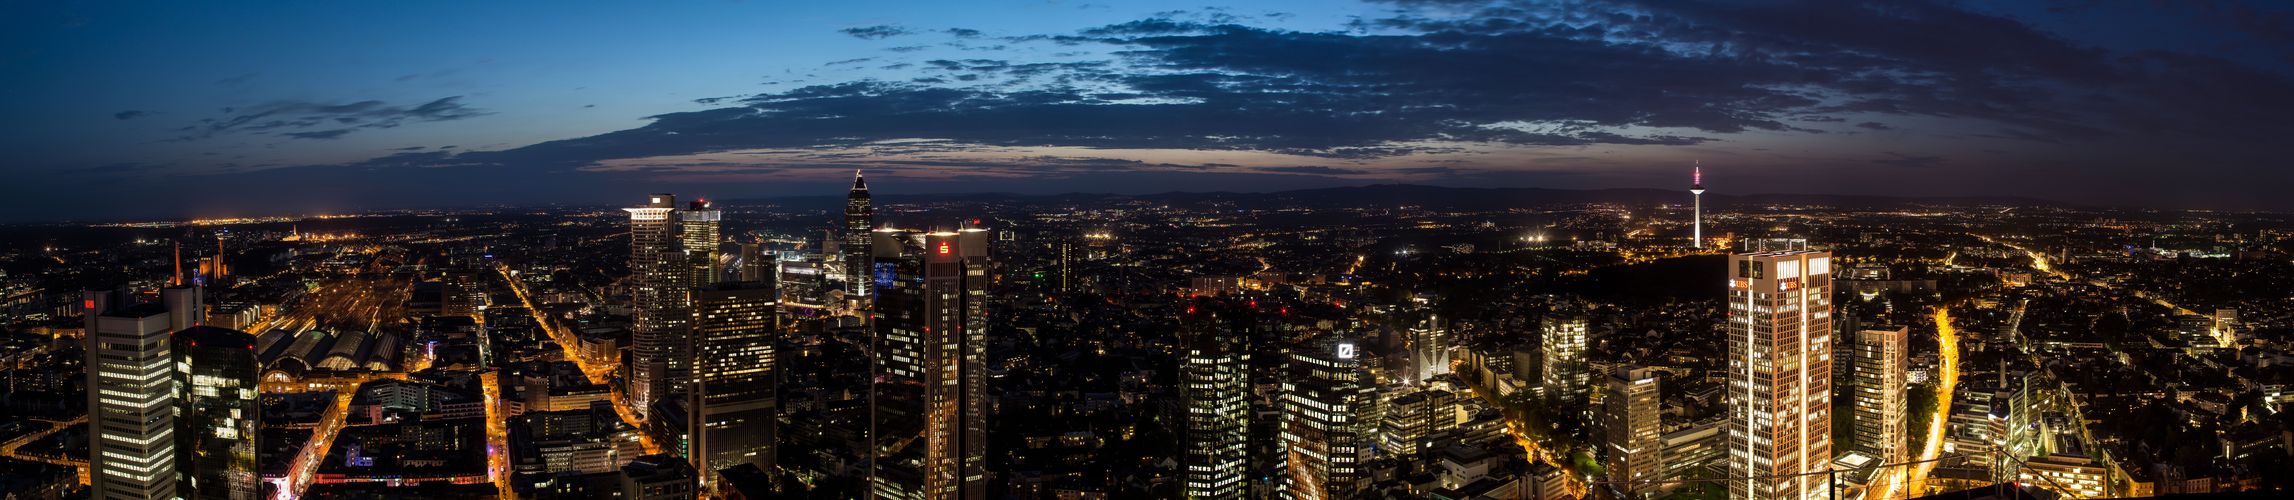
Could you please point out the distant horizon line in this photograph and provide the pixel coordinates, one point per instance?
(2010, 200)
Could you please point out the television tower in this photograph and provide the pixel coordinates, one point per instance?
(1697, 190)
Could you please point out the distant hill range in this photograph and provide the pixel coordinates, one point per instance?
(1433, 197)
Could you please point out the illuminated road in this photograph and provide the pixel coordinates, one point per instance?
(1534, 453)
(2039, 262)
(599, 372)
(2077, 403)
(315, 451)
(9, 449)
(497, 434)
(1947, 378)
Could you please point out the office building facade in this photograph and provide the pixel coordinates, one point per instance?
(217, 410)
(1879, 399)
(1634, 443)
(131, 390)
(1214, 373)
(859, 236)
(929, 436)
(699, 234)
(1563, 333)
(1329, 403)
(661, 300)
(1780, 382)
(734, 382)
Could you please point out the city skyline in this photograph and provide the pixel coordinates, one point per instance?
(1382, 380)
(2123, 105)
(1083, 250)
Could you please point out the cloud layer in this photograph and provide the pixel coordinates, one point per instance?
(1449, 76)
(1850, 93)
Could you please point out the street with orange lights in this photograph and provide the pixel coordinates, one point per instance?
(315, 451)
(497, 434)
(1947, 379)
(1533, 452)
(9, 449)
(598, 372)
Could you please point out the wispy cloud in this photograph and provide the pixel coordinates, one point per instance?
(877, 32)
(303, 119)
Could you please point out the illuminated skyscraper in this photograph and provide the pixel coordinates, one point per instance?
(1329, 407)
(131, 390)
(733, 379)
(697, 232)
(1697, 191)
(1780, 381)
(1430, 346)
(1630, 416)
(1415, 417)
(1563, 333)
(859, 223)
(1214, 372)
(215, 375)
(662, 300)
(1879, 394)
(930, 434)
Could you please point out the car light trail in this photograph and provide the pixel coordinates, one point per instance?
(497, 434)
(1947, 378)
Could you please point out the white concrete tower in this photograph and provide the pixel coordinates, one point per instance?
(1697, 191)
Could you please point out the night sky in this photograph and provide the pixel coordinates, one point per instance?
(151, 109)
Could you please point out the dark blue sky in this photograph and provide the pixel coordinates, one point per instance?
(229, 108)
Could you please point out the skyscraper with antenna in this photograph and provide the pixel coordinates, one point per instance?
(1697, 192)
(859, 236)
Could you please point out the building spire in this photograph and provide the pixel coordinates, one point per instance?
(858, 183)
(178, 281)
